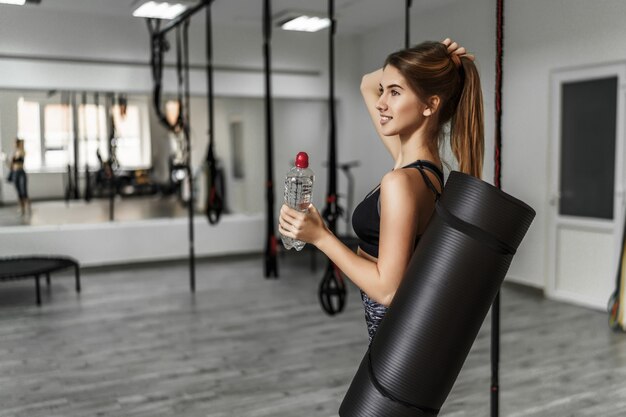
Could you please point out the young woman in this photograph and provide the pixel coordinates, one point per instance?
(19, 175)
(410, 100)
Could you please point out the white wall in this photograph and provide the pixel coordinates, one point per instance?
(543, 36)
(34, 32)
(136, 241)
(540, 37)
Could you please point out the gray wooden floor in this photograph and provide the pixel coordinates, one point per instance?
(137, 343)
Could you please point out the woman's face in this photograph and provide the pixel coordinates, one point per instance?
(401, 110)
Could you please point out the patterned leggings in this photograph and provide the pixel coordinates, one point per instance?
(374, 313)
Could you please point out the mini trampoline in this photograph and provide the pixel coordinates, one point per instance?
(34, 266)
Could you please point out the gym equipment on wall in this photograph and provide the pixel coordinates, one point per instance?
(445, 294)
(215, 181)
(495, 309)
(271, 243)
(332, 288)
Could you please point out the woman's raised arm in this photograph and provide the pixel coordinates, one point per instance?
(370, 90)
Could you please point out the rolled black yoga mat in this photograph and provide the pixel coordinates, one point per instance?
(450, 283)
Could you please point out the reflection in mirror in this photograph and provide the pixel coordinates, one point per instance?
(131, 156)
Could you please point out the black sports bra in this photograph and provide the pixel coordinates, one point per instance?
(366, 216)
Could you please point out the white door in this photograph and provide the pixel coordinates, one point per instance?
(586, 190)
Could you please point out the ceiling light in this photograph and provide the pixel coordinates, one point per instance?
(306, 23)
(17, 2)
(159, 10)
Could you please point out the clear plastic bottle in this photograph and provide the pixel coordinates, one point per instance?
(298, 192)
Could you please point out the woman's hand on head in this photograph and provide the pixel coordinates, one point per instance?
(455, 48)
(308, 226)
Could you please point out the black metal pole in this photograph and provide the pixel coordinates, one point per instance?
(495, 309)
(332, 145)
(407, 23)
(76, 141)
(271, 245)
(214, 200)
(209, 71)
(187, 131)
(85, 140)
(110, 99)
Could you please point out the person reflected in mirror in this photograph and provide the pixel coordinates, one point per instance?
(18, 176)
(422, 96)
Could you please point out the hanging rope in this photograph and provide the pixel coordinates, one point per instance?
(332, 288)
(83, 113)
(271, 244)
(215, 182)
(76, 142)
(495, 309)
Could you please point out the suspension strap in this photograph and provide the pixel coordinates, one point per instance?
(215, 182)
(332, 290)
(159, 46)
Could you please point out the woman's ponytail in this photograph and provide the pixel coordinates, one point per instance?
(431, 70)
(467, 131)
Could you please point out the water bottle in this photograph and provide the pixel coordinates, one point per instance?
(298, 193)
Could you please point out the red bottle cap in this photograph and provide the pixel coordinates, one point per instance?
(302, 160)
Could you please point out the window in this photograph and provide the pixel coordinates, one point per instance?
(29, 129)
(132, 151)
(92, 129)
(58, 136)
(588, 116)
(48, 132)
